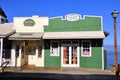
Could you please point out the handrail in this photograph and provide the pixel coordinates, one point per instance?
(4, 65)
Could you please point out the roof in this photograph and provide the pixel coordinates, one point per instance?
(6, 29)
(2, 13)
(74, 35)
(26, 36)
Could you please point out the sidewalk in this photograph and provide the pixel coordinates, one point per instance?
(62, 74)
(70, 71)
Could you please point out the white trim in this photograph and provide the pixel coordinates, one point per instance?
(41, 43)
(103, 58)
(82, 48)
(43, 53)
(13, 55)
(81, 18)
(101, 23)
(1, 50)
(74, 35)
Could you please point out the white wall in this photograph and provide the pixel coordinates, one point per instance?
(40, 22)
(1, 50)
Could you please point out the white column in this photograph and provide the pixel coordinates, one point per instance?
(36, 56)
(103, 58)
(19, 59)
(13, 56)
(1, 50)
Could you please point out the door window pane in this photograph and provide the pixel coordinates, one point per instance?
(40, 51)
(66, 55)
(74, 55)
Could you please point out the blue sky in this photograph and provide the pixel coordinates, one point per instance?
(53, 8)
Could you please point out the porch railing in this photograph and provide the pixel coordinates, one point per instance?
(4, 66)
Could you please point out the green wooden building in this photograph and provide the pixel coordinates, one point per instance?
(74, 42)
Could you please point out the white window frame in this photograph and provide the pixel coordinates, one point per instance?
(58, 49)
(70, 48)
(90, 53)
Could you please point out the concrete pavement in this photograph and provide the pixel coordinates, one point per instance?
(61, 74)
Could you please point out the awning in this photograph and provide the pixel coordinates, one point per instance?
(6, 29)
(26, 36)
(74, 35)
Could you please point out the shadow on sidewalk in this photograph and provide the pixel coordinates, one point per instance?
(53, 76)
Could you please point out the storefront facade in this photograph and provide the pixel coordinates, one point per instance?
(57, 42)
(28, 46)
(74, 42)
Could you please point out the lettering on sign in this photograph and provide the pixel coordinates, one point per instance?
(29, 22)
(73, 17)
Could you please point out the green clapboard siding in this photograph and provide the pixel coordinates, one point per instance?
(51, 61)
(95, 61)
(87, 24)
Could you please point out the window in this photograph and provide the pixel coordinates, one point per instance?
(6, 54)
(86, 49)
(54, 48)
(2, 20)
(17, 51)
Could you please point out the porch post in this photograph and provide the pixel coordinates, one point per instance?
(1, 50)
(13, 58)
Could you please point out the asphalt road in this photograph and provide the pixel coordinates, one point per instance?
(53, 76)
(63, 74)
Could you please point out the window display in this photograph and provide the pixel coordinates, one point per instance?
(66, 55)
(54, 49)
(74, 55)
(86, 51)
(70, 53)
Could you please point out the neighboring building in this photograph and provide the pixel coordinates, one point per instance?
(57, 42)
(5, 30)
(3, 17)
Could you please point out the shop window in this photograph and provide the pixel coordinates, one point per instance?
(54, 48)
(31, 50)
(39, 51)
(86, 49)
(6, 54)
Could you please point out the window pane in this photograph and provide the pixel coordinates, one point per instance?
(66, 55)
(86, 49)
(74, 55)
(66, 42)
(75, 42)
(6, 54)
(39, 51)
(54, 49)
